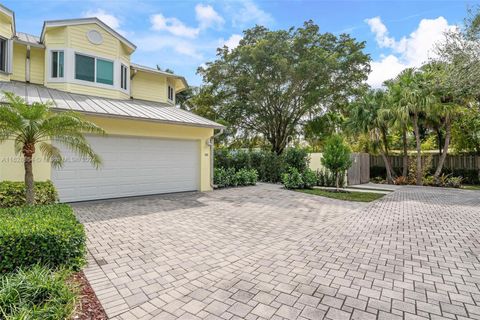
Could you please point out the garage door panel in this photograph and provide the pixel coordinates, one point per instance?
(130, 166)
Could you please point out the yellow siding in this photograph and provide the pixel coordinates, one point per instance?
(37, 65)
(77, 39)
(6, 29)
(11, 164)
(56, 36)
(94, 91)
(115, 126)
(19, 57)
(4, 77)
(149, 86)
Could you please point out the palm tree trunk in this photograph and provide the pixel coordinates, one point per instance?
(419, 150)
(388, 167)
(441, 161)
(28, 151)
(405, 153)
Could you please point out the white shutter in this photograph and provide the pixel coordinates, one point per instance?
(9, 51)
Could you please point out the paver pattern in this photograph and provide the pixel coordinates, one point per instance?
(266, 253)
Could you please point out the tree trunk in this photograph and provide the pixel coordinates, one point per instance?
(441, 161)
(419, 150)
(405, 153)
(439, 141)
(388, 167)
(337, 181)
(28, 151)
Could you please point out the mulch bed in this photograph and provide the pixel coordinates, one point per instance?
(89, 307)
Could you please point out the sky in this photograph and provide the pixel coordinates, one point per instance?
(184, 34)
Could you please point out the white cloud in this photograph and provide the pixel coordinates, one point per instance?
(207, 16)
(109, 19)
(409, 51)
(249, 14)
(233, 41)
(172, 25)
(155, 43)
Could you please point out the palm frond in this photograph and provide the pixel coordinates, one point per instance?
(52, 154)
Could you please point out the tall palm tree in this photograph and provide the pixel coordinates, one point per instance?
(415, 98)
(35, 125)
(366, 117)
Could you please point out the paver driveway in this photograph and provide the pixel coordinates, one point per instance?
(263, 252)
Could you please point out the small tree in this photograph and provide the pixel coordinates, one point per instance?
(35, 125)
(336, 157)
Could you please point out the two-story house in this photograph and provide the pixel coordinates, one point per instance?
(84, 65)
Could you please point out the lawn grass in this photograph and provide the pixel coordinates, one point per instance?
(347, 196)
(471, 187)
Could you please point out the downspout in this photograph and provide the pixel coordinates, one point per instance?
(27, 66)
(210, 143)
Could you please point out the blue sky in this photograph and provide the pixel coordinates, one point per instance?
(181, 35)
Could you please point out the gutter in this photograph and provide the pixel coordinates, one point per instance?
(210, 142)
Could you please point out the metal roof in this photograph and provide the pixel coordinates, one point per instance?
(28, 39)
(132, 109)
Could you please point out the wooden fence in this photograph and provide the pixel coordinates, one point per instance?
(359, 172)
(457, 162)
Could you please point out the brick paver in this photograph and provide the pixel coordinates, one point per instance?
(266, 253)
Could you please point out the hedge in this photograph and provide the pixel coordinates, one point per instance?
(469, 176)
(49, 235)
(223, 178)
(12, 194)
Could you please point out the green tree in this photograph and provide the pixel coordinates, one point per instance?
(35, 125)
(273, 80)
(466, 130)
(336, 157)
(366, 117)
(320, 128)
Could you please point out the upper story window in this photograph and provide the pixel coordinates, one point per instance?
(93, 69)
(57, 64)
(3, 55)
(123, 77)
(171, 94)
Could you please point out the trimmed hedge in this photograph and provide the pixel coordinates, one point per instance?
(49, 235)
(37, 293)
(12, 194)
(294, 179)
(223, 178)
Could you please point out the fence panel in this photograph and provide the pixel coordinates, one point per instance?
(359, 172)
(452, 162)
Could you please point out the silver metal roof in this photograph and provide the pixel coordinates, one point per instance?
(132, 109)
(28, 39)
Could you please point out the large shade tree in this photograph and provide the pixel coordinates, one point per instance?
(35, 126)
(273, 80)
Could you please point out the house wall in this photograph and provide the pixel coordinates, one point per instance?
(19, 57)
(11, 165)
(37, 65)
(6, 31)
(149, 86)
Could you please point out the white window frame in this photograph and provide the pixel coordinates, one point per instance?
(8, 55)
(95, 83)
(58, 64)
(169, 87)
(122, 68)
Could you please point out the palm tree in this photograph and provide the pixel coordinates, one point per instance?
(415, 99)
(366, 117)
(35, 125)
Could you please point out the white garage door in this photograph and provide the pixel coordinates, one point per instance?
(131, 166)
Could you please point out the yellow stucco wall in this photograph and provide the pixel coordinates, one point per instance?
(11, 165)
(315, 161)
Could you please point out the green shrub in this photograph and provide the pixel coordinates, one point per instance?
(326, 179)
(293, 179)
(309, 178)
(37, 293)
(48, 235)
(296, 158)
(454, 182)
(247, 177)
(12, 194)
(223, 178)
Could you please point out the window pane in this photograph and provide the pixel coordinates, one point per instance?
(60, 64)
(3, 55)
(54, 64)
(84, 68)
(104, 71)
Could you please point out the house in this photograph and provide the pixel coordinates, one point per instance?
(151, 146)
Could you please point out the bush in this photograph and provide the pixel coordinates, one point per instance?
(12, 194)
(336, 157)
(309, 179)
(454, 182)
(223, 178)
(296, 158)
(293, 179)
(48, 235)
(326, 179)
(37, 293)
